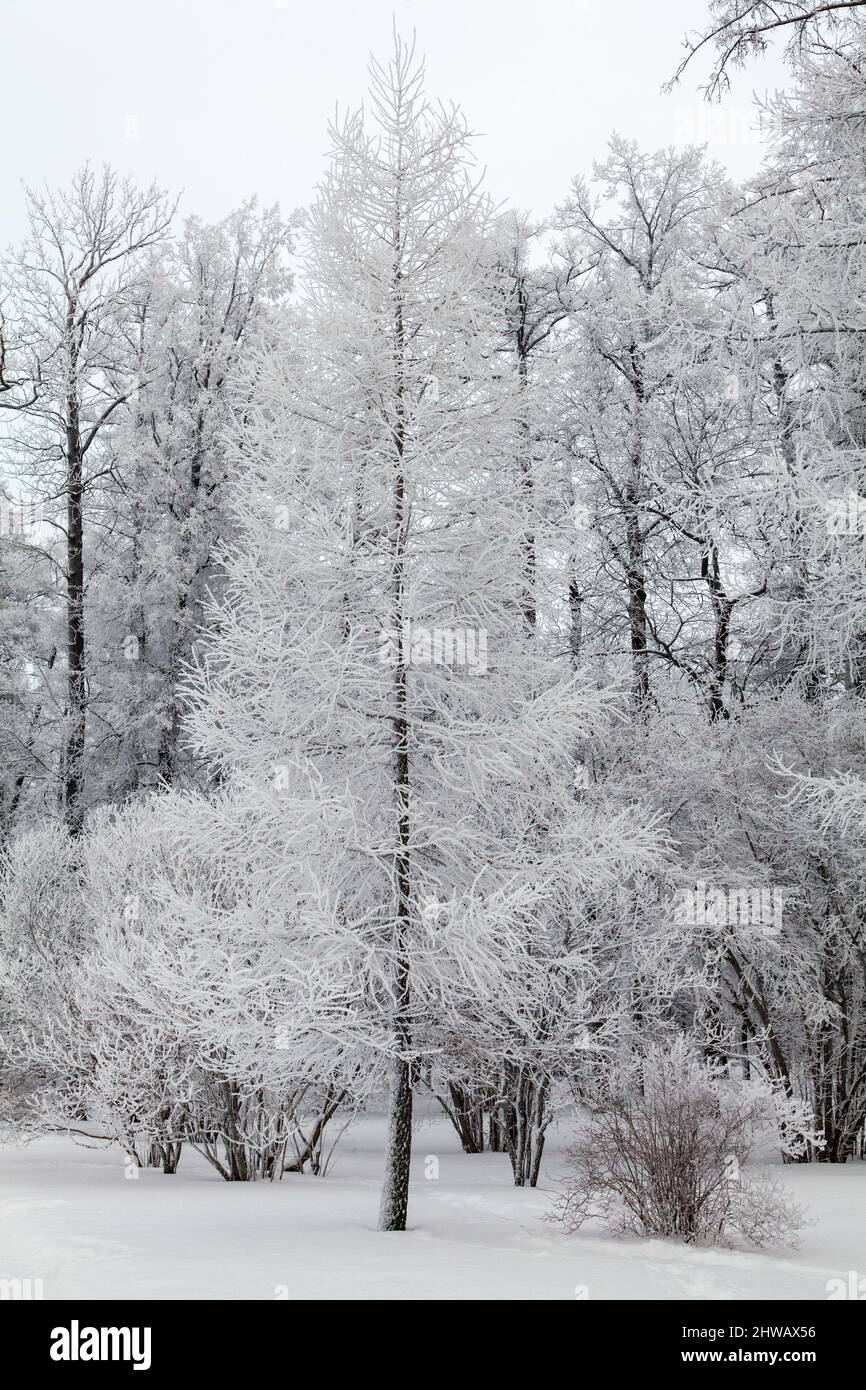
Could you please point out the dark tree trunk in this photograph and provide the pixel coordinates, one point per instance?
(524, 1122)
(722, 608)
(398, 1151)
(637, 598)
(76, 708)
(466, 1112)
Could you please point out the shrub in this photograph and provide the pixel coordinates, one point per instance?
(663, 1155)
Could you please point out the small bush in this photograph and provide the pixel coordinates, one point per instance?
(663, 1155)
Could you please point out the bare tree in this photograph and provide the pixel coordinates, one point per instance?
(73, 285)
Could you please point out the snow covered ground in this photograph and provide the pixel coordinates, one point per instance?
(69, 1216)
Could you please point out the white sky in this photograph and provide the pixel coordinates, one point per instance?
(223, 98)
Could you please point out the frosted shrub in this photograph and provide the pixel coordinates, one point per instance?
(663, 1155)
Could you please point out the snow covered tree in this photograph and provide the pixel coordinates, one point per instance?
(73, 287)
(740, 29)
(212, 289)
(28, 604)
(639, 331)
(372, 687)
(810, 257)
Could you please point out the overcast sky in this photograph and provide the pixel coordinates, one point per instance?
(223, 98)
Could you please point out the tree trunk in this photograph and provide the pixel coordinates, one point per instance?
(76, 710)
(398, 1153)
(466, 1113)
(637, 597)
(524, 1125)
